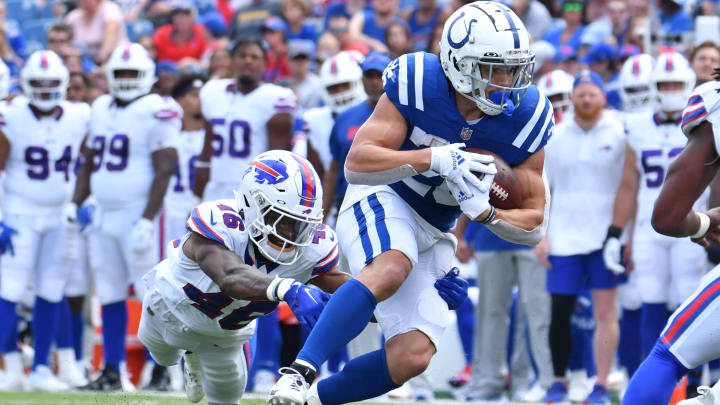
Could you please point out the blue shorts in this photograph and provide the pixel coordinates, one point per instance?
(570, 274)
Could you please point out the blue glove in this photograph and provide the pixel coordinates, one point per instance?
(85, 215)
(452, 289)
(306, 303)
(6, 233)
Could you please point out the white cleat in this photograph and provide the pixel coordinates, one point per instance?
(42, 379)
(68, 370)
(290, 389)
(127, 385)
(536, 393)
(14, 377)
(193, 377)
(706, 397)
(263, 381)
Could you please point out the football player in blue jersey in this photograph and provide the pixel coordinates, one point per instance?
(410, 179)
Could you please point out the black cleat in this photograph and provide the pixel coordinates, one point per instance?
(160, 380)
(109, 380)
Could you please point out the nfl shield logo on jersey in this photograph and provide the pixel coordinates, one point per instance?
(466, 133)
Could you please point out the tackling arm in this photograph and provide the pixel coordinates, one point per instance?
(686, 179)
(235, 278)
(526, 225)
(164, 162)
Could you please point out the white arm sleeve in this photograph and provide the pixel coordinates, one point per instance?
(382, 177)
(514, 234)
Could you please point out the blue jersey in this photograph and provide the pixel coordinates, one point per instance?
(343, 132)
(417, 86)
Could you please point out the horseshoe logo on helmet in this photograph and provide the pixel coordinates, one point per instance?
(458, 45)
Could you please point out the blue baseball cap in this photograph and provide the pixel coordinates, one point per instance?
(375, 61)
(166, 66)
(214, 22)
(564, 53)
(588, 76)
(598, 53)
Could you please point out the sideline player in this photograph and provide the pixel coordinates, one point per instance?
(128, 165)
(40, 140)
(239, 259)
(407, 171)
(692, 335)
(244, 117)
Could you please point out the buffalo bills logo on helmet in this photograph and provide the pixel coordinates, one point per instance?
(269, 171)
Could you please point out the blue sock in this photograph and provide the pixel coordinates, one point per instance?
(8, 325)
(362, 378)
(345, 316)
(653, 320)
(629, 352)
(64, 338)
(114, 324)
(78, 329)
(466, 327)
(44, 327)
(655, 379)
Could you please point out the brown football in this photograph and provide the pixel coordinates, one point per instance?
(506, 193)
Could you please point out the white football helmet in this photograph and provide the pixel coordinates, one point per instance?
(480, 38)
(343, 68)
(4, 80)
(130, 57)
(672, 67)
(281, 199)
(44, 79)
(635, 83)
(557, 83)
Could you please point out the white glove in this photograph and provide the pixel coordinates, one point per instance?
(456, 165)
(69, 216)
(143, 235)
(475, 200)
(611, 256)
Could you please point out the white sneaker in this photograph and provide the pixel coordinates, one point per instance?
(14, 377)
(193, 377)
(127, 385)
(578, 386)
(535, 394)
(42, 379)
(290, 389)
(68, 371)
(263, 381)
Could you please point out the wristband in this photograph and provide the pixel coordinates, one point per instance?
(613, 232)
(490, 217)
(277, 288)
(704, 225)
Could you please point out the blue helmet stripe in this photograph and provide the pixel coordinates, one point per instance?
(516, 37)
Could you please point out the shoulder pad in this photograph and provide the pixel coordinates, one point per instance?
(534, 120)
(704, 101)
(216, 220)
(411, 80)
(326, 245)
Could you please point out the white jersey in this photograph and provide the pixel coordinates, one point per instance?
(239, 123)
(124, 139)
(196, 300)
(43, 153)
(318, 122)
(180, 199)
(704, 105)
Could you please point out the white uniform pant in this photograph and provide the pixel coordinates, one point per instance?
(225, 364)
(115, 265)
(692, 333)
(78, 282)
(39, 261)
(383, 221)
(667, 270)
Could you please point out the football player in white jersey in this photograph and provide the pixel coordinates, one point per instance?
(692, 334)
(128, 164)
(341, 77)
(40, 139)
(557, 87)
(666, 270)
(244, 117)
(635, 83)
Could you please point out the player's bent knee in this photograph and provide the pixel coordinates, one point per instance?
(408, 355)
(386, 274)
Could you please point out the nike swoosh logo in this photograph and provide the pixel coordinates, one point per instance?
(310, 295)
(332, 238)
(212, 221)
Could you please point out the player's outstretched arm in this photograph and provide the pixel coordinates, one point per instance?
(330, 280)
(687, 178)
(526, 225)
(164, 162)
